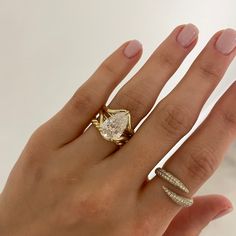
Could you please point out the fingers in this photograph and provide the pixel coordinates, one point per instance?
(197, 159)
(70, 122)
(175, 115)
(191, 221)
(140, 93)
(200, 156)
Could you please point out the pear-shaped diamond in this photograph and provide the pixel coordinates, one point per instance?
(114, 126)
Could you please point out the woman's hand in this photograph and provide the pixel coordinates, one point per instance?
(71, 182)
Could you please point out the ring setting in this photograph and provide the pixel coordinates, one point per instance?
(114, 125)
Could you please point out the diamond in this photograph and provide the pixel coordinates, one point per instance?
(114, 126)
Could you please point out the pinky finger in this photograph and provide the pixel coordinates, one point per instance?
(191, 221)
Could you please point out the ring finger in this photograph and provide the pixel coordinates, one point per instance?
(197, 159)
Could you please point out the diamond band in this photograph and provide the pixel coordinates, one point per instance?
(171, 179)
(182, 201)
(114, 125)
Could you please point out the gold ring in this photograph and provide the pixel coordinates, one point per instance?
(114, 125)
(170, 178)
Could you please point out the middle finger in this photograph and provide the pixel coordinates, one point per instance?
(139, 94)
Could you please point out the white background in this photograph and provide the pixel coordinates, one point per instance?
(49, 47)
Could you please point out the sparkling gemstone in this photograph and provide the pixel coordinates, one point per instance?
(114, 126)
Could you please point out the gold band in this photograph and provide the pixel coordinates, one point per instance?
(114, 125)
(182, 201)
(170, 178)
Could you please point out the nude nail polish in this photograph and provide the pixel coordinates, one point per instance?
(132, 48)
(226, 43)
(187, 35)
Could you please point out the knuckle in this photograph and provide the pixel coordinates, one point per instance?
(94, 204)
(37, 138)
(93, 207)
(36, 156)
(109, 68)
(209, 70)
(36, 151)
(133, 101)
(167, 59)
(202, 163)
(82, 100)
(229, 118)
(33, 166)
(143, 225)
(175, 119)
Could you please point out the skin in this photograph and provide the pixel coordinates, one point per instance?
(71, 182)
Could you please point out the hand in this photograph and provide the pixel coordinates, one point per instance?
(68, 181)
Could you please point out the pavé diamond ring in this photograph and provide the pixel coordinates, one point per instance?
(114, 125)
(174, 181)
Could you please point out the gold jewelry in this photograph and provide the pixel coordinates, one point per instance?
(114, 125)
(170, 178)
(182, 201)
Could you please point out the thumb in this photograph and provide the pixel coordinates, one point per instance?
(191, 220)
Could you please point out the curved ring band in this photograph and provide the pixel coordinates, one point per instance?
(170, 178)
(114, 125)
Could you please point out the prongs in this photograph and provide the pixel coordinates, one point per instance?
(129, 123)
(112, 111)
(106, 113)
(95, 122)
(101, 118)
(121, 138)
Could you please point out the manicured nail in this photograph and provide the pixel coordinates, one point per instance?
(226, 42)
(132, 48)
(187, 35)
(223, 213)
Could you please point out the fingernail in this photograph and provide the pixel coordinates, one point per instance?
(132, 48)
(226, 42)
(223, 213)
(187, 35)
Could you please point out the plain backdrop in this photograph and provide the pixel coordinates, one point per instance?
(48, 48)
